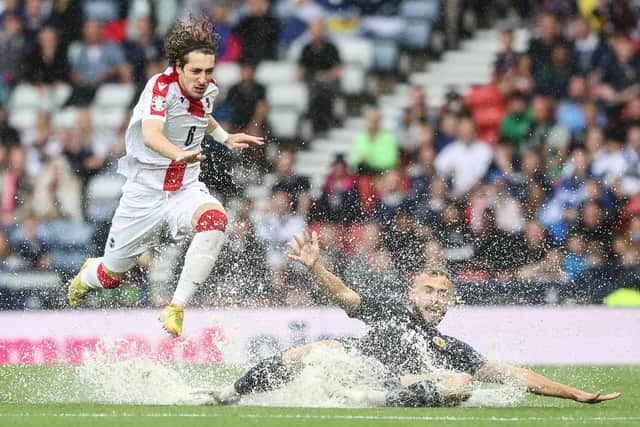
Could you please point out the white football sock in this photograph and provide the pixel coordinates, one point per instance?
(89, 276)
(198, 263)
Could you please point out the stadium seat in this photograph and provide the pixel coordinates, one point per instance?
(226, 74)
(25, 96)
(416, 35)
(420, 9)
(276, 72)
(103, 194)
(386, 55)
(108, 118)
(483, 96)
(111, 95)
(353, 80)
(284, 122)
(61, 93)
(356, 50)
(66, 234)
(65, 119)
(290, 95)
(23, 118)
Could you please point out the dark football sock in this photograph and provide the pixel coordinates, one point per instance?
(267, 375)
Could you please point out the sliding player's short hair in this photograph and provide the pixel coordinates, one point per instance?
(195, 33)
(436, 270)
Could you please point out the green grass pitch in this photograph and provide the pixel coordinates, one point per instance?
(18, 385)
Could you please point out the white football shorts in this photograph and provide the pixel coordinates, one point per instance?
(141, 215)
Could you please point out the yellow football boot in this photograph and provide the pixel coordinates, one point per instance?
(171, 318)
(77, 292)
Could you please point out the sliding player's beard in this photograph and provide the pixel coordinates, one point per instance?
(431, 315)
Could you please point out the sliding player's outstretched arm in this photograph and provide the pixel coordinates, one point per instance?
(501, 372)
(306, 251)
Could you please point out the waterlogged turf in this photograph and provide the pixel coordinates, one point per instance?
(47, 396)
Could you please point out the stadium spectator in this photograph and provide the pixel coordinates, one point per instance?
(340, 199)
(83, 162)
(68, 17)
(247, 101)
(507, 59)
(320, 68)
(609, 163)
(97, 62)
(575, 258)
(553, 80)
(540, 50)
(447, 131)
(10, 261)
(455, 236)
(570, 112)
(429, 208)
(100, 140)
(34, 18)
(589, 52)
(403, 242)
(374, 150)
(391, 196)
(242, 273)
(416, 124)
(8, 134)
(45, 63)
(145, 53)
(493, 247)
(422, 172)
(230, 49)
(295, 186)
(516, 123)
(12, 45)
(465, 161)
(274, 231)
(27, 242)
(41, 144)
(14, 185)
(259, 32)
(57, 193)
(621, 76)
(541, 125)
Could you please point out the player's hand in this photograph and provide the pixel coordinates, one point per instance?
(584, 397)
(243, 140)
(306, 250)
(192, 156)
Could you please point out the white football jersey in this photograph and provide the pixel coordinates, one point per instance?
(185, 124)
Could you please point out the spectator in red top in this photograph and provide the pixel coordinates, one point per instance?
(340, 199)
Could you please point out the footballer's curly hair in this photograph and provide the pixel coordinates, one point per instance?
(196, 33)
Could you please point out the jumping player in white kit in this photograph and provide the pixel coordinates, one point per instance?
(162, 164)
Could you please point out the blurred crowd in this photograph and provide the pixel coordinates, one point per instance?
(527, 188)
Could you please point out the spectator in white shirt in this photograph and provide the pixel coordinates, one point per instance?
(609, 163)
(465, 161)
(276, 230)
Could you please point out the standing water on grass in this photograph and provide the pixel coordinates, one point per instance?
(332, 377)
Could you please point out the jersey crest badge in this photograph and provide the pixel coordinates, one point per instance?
(158, 103)
(439, 342)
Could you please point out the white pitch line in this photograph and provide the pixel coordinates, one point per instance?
(319, 417)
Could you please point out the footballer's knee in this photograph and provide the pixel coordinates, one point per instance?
(209, 217)
(110, 279)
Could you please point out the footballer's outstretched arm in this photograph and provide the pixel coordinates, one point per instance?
(153, 137)
(232, 140)
(306, 251)
(500, 372)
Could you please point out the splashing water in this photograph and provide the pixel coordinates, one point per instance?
(332, 377)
